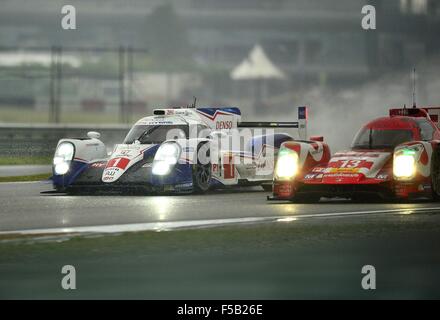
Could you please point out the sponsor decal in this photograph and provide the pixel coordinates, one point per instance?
(219, 125)
(351, 164)
(120, 163)
(337, 170)
(343, 175)
(262, 164)
(111, 172)
(284, 190)
(156, 122)
(123, 153)
(98, 165)
(107, 178)
(357, 155)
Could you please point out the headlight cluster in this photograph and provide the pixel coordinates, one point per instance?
(63, 156)
(287, 164)
(166, 157)
(404, 164)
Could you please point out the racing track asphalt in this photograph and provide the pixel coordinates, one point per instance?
(26, 206)
(24, 170)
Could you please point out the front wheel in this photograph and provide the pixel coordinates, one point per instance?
(202, 178)
(60, 189)
(202, 175)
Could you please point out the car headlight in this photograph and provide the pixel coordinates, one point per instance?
(287, 164)
(404, 164)
(166, 157)
(63, 156)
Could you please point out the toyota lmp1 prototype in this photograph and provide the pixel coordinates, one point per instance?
(394, 157)
(175, 150)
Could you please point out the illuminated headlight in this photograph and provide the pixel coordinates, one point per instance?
(61, 168)
(63, 156)
(287, 164)
(404, 164)
(166, 157)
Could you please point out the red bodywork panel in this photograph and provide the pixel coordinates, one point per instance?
(366, 168)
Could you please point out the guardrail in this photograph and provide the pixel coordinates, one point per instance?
(28, 140)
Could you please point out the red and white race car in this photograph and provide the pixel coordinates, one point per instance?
(394, 157)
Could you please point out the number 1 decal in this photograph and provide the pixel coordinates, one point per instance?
(120, 163)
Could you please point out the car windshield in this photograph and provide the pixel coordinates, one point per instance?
(369, 138)
(149, 134)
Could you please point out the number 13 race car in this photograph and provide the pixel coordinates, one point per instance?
(175, 150)
(394, 157)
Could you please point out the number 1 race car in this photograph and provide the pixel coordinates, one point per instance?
(175, 150)
(394, 157)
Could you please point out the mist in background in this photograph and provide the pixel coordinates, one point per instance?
(128, 57)
(338, 115)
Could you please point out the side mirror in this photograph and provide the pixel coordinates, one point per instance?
(93, 135)
(317, 138)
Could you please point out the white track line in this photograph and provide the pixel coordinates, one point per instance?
(163, 226)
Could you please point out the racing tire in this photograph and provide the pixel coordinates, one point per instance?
(59, 189)
(202, 174)
(435, 174)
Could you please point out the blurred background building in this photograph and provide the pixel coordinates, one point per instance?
(193, 45)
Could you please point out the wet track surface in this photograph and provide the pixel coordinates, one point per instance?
(29, 206)
(316, 256)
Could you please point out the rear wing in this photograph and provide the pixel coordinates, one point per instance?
(431, 113)
(301, 124)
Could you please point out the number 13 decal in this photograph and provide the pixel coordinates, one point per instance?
(350, 163)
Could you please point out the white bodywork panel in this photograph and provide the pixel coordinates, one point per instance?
(228, 165)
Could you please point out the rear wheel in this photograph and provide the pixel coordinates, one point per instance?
(435, 174)
(202, 173)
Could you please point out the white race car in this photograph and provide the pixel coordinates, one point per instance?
(176, 150)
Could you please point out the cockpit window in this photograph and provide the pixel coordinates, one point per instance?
(150, 134)
(380, 139)
(426, 129)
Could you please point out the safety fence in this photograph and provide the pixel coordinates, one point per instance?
(24, 140)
